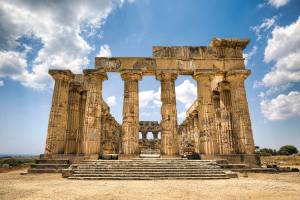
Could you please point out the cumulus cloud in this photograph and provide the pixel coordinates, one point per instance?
(111, 100)
(265, 26)
(149, 98)
(282, 107)
(104, 51)
(283, 48)
(1, 83)
(60, 26)
(277, 3)
(186, 93)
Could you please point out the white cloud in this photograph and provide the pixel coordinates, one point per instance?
(265, 26)
(60, 26)
(249, 55)
(149, 98)
(284, 49)
(1, 83)
(282, 107)
(277, 3)
(104, 51)
(111, 100)
(186, 93)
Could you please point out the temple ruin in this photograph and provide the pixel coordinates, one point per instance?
(217, 125)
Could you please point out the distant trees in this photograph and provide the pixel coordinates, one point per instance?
(287, 150)
(284, 150)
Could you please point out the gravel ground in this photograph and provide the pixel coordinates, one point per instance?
(52, 186)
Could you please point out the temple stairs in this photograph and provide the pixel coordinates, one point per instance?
(146, 169)
(49, 166)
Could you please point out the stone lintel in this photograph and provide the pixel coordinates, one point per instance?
(149, 66)
(61, 74)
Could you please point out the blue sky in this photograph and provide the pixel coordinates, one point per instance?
(38, 35)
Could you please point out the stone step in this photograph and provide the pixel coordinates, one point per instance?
(153, 156)
(49, 166)
(52, 161)
(139, 169)
(146, 169)
(39, 171)
(149, 175)
(148, 172)
(148, 178)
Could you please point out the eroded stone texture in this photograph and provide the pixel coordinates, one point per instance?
(59, 112)
(92, 121)
(217, 123)
(130, 126)
(241, 118)
(206, 112)
(169, 144)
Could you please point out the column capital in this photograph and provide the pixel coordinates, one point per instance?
(131, 74)
(166, 75)
(237, 74)
(58, 74)
(95, 74)
(204, 74)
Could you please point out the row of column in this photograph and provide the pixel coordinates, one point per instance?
(224, 120)
(75, 119)
(169, 145)
(211, 124)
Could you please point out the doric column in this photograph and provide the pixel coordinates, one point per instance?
(59, 112)
(130, 126)
(92, 118)
(169, 144)
(196, 132)
(82, 104)
(240, 113)
(206, 112)
(73, 119)
(225, 118)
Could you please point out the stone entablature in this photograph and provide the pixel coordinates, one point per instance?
(221, 54)
(218, 122)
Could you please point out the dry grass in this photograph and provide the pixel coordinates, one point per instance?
(293, 160)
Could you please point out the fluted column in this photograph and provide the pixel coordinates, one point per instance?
(169, 142)
(80, 136)
(59, 112)
(225, 119)
(73, 120)
(240, 112)
(130, 126)
(196, 132)
(92, 118)
(206, 111)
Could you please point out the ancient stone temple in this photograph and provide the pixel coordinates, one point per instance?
(217, 125)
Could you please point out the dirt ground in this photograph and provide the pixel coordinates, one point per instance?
(52, 186)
